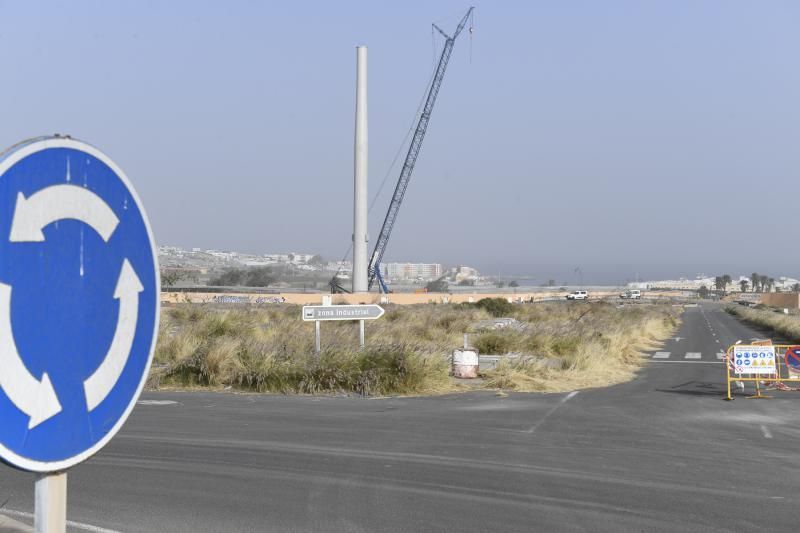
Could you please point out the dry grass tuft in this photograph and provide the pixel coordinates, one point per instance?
(597, 345)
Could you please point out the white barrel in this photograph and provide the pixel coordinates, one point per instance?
(465, 363)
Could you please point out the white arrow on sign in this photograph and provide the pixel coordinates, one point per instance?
(342, 312)
(57, 202)
(37, 399)
(99, 384)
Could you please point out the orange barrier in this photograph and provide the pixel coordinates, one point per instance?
(763, 363)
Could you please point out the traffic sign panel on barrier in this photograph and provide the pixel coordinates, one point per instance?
(792, 358)
(79, 302)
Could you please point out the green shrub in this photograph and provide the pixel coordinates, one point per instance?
(495, 342)
(496, 307)
(536, 343)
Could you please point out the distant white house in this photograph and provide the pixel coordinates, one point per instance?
(781, 284)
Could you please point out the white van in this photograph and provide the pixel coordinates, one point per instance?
(631, 294)
(578, 295)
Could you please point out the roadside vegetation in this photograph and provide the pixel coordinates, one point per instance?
(567, 347)
(768, 318)
(553, 346)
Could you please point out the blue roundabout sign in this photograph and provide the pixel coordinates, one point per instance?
(79, 302)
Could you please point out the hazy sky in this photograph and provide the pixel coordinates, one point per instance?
(621, 137)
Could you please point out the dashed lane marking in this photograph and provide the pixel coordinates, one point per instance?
(661, 355)
(693, 355)
(721, 355)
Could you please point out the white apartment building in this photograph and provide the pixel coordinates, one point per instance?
(295, 258)
(411, 271)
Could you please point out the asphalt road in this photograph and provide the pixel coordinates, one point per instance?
(661, 453)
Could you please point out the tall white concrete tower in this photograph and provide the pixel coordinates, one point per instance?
(360, 237)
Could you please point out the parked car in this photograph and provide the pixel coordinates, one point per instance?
(578, 295)
(631, 294)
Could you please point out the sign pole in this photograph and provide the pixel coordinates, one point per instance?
(317, 343)
(50, 502)
(361, 334)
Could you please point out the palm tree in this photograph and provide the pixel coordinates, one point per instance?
(764, 282)
(771, 284)
(726, 280)
(754, 281)
(796, 287)
(702, 292)
(718, 283)
(744, 283)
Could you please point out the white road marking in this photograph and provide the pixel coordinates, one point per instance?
(561, 402)
(721, 355)
(693, 355)
(156, 402)
(677, 339)
(661, 355)
(70, 523)
(694, 362)
(766, 432)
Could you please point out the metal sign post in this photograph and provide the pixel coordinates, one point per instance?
(319, 313)
(50, 503)
(79, 309)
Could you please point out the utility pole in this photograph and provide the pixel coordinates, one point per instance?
(360, 237)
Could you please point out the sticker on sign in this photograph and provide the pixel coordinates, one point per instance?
(342, 312)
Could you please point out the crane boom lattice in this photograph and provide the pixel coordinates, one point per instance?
(413, 151)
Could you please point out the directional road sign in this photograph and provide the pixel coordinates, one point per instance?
(342, 312)
(79, 302)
